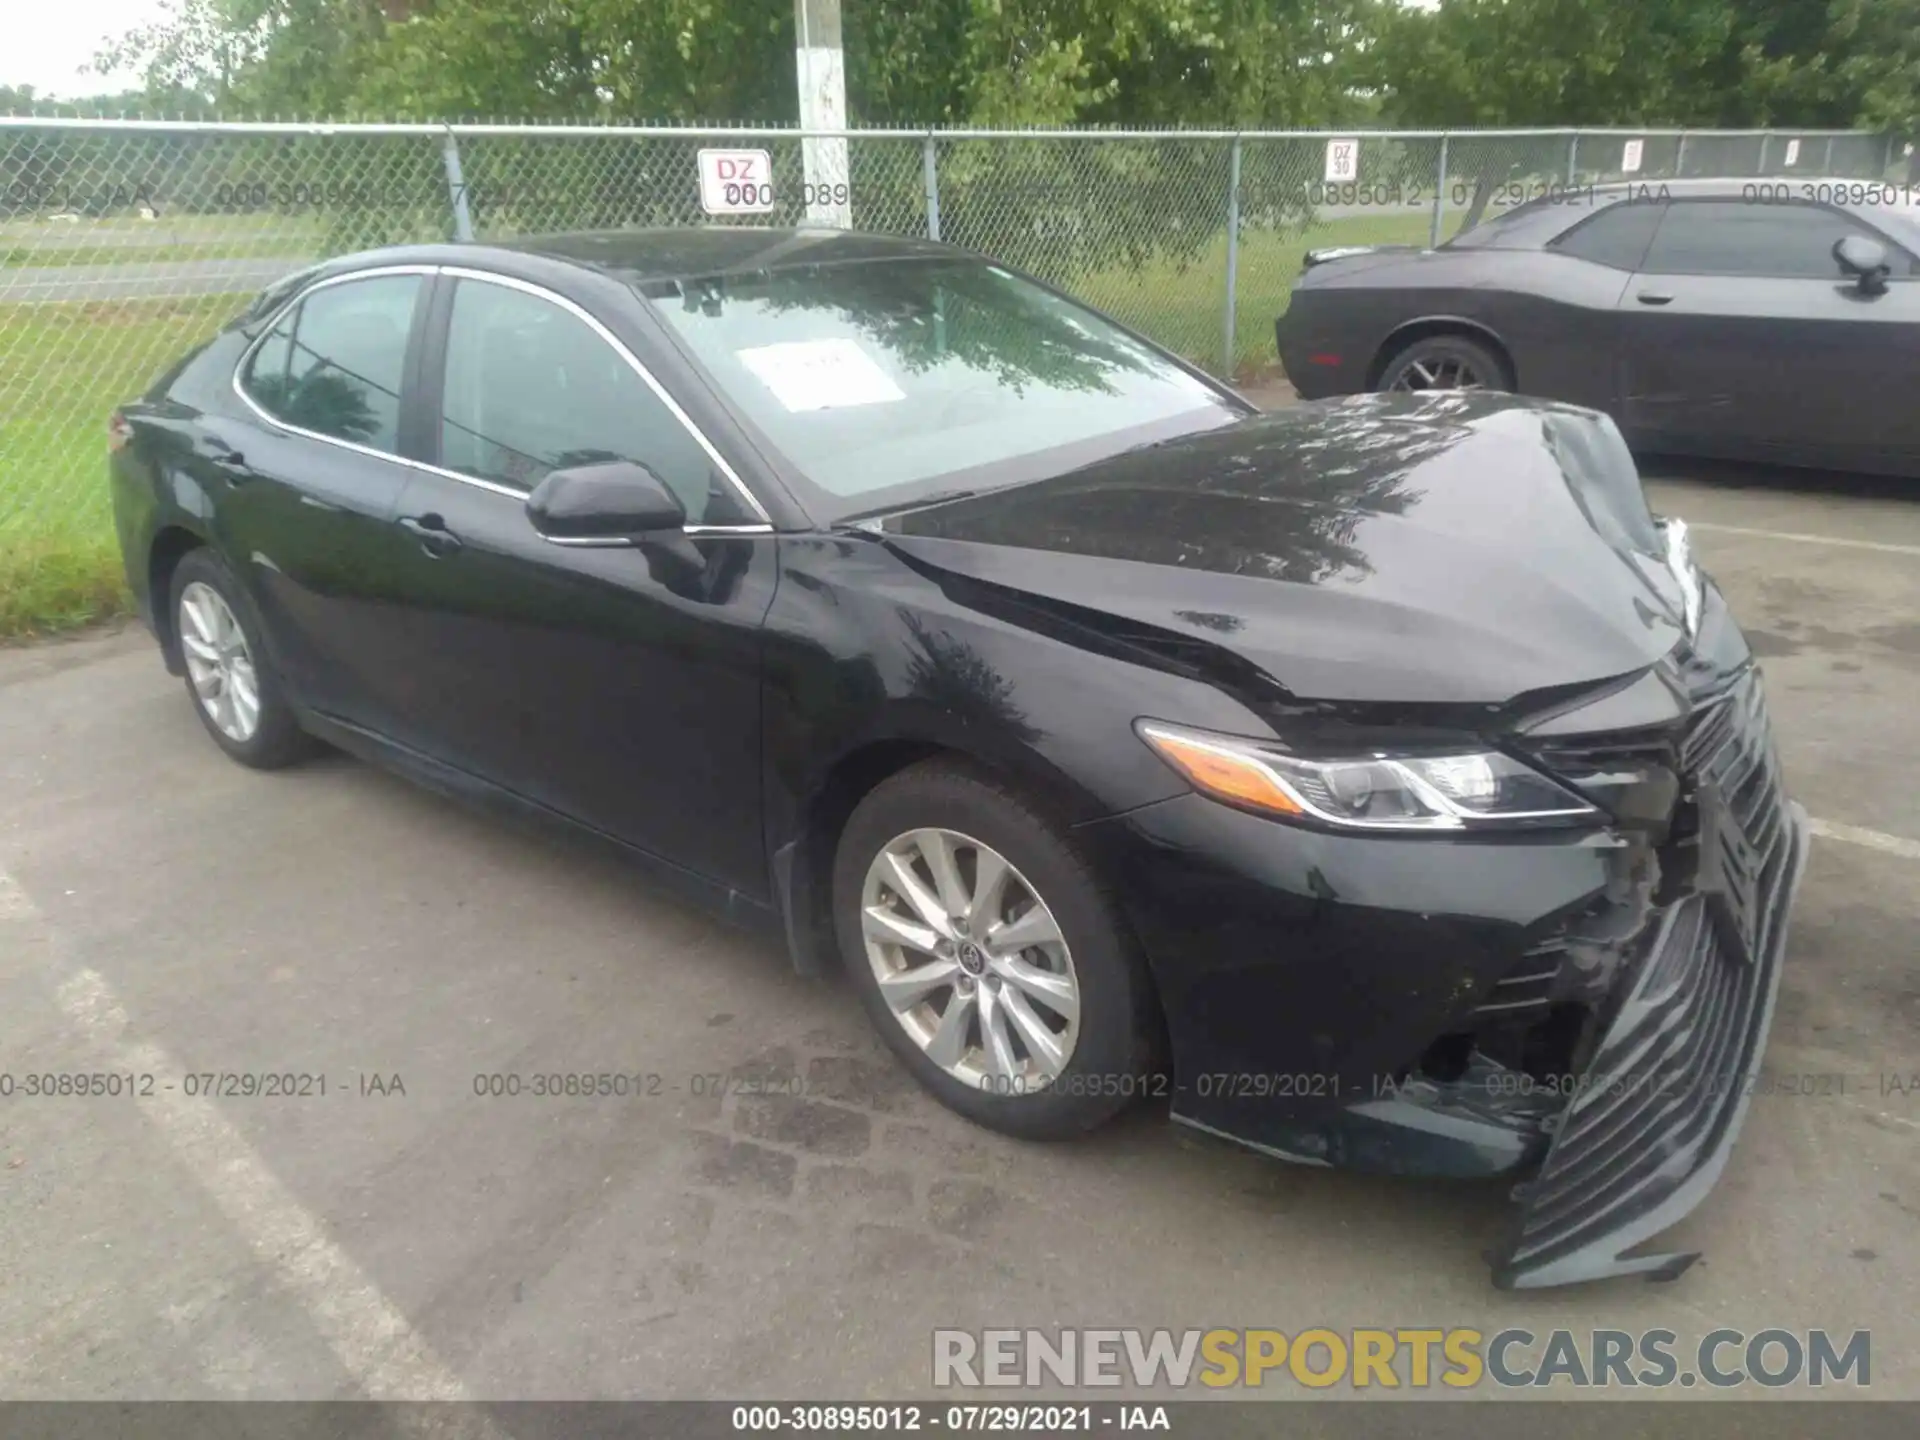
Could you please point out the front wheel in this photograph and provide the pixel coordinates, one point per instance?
(1444, 362)
(989, 955)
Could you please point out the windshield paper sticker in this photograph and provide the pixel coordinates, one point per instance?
(821, 374)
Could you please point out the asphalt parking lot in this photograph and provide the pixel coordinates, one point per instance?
(165, 911)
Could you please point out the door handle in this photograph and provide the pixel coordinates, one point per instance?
(432, 533)
(227, 460)
(1654, 297)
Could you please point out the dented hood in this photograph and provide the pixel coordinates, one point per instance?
(1453, 548)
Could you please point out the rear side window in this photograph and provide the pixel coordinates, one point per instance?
(1737, 237)
(1618, 236)
(333, 363)
(531, 388)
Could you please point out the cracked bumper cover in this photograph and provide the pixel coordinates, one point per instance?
(1666, 952)
(1651, 1128)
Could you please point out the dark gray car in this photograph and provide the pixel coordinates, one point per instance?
(1773, 319)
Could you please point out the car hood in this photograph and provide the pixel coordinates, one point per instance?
(1449, 548)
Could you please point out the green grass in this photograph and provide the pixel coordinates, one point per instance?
(63, 367)
(1182, 303)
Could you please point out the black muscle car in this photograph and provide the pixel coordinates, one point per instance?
(1378, 782)
(1764, 320)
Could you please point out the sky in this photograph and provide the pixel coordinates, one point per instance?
(49, 44)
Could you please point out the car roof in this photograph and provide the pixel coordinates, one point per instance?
(678, 252)
(635, 256)
(687, 251)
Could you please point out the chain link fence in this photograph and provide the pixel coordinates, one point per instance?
(123, 243)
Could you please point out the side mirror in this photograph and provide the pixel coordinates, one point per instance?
(1865, 259)
(612, 501)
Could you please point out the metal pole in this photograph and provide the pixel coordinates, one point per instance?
(1573, 160)
(930, 176)
(1826, 160)
(1233, 259)
(1680, 157)
(1439, 195)
(1766, 140)
(456, 188)
(821, 67)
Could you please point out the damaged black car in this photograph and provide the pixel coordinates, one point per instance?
(1376, 783)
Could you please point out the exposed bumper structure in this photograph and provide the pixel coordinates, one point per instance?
(1588, 1012)
(1659, 1107)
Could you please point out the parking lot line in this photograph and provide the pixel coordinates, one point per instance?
(1801, 538)
(1872, 839)
(386, 1357)
(384, 1354)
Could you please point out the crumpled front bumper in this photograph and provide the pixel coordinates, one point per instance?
(1657, 1109)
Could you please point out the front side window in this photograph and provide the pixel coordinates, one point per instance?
(1737, 237)
(333, 363)
(890, 379)
(531, 388)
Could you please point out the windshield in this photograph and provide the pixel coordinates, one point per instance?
(886, 382)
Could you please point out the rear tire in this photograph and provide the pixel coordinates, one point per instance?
(1054, 1025)
(229, 678)
(1444, 362)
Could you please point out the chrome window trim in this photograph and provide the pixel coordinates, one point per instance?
(633, 361)
(266, 332)
(627, 542)
(763, 526)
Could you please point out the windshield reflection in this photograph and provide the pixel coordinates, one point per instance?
(873, 378)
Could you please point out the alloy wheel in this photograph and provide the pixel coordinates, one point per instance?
(970, 961)
(1443, 372)
(219, 664)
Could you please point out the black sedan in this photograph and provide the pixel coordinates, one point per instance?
(1378, 782)
(1763, 320)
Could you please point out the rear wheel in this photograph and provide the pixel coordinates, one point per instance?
(1444, 362)
(235, 692)
(989, 956)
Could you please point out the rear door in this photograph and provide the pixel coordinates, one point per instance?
(309, 478)
(617, 684)
(1741, 337)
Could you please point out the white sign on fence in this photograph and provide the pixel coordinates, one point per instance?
(1793, 152)
(736, 182)
(1343, 160)
(1630, 154)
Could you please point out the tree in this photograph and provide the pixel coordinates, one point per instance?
(909, 62)
(1812, 63)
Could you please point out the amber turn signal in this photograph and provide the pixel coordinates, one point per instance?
(1225, 774)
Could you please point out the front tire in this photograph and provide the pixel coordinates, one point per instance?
(1444, 362)
(989, 956)
(234, 690)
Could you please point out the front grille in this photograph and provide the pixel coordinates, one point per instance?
(1666, 1088)
(1730, 746)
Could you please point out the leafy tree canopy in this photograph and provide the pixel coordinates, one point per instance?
(1043, 62)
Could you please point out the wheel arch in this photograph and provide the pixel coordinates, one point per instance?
(171, 544)
(1429, 326)
(803, 859)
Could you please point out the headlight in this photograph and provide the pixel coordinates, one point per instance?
(1376, 792)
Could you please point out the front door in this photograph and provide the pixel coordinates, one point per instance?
(619, 685)
(1742, 337)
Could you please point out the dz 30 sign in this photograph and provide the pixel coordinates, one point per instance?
(736, 182)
